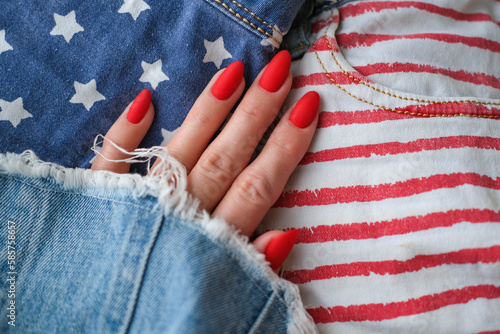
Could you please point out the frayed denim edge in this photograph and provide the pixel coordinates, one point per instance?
(169, 187)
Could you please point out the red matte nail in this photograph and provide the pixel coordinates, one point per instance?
(279, 248)
(276, 72)
(228, 81)
(139, 107)
(305, 110)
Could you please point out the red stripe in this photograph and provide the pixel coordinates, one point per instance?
(475, 78)
(364, 7)
(393, 148)
(318, 25)
(327, 118)
(378, 312)
(394, 267)
(358, 231)
(368, 193)
(452, 109)
(491, 332)
(319, 79)
(353, 40)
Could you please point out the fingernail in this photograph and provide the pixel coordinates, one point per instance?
(228, 81)
(279, 248)
(139, 107)
(305, 110)
(276, 72)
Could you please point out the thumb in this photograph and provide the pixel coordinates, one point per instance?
(276, 245)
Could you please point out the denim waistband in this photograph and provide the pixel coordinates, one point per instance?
(270, 20)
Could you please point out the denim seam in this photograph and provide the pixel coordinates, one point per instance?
(224, 247)
(225, 236)
(144, 268)
(257, 17)
(263, 313)
(301, 45)
(77, 194)
(220, 2)
(405, 112)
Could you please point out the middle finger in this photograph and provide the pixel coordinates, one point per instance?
(231, 151)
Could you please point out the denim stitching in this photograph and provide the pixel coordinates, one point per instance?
(246, 21)
(255, 15)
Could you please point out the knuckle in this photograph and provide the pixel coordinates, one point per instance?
(199, 117)
(259, 109)
(256, 190)
(218, 167)
(251, 111)
(285, 150)
(181, 156)
(247, 146)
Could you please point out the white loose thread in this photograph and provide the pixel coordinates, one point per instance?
(168, 174)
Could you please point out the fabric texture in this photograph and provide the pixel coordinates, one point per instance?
(98, 252)
(69, 69)
(398, 198)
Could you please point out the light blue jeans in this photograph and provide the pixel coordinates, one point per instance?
(97, 252)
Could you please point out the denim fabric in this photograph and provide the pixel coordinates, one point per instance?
(297, 41)
(98, 252)
(108, 45)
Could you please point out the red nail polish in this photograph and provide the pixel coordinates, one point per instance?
(276, 72)
(139, 107)
(279, 248)
(305, 110)
(228, 81)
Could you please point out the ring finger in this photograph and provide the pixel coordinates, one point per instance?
(207, 115)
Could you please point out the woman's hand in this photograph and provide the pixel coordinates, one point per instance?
(219, 173)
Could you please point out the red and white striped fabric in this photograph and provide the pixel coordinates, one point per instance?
(398, 199)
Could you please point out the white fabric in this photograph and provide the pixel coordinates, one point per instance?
(398, 198)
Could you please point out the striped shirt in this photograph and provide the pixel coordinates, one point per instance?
(398, 198)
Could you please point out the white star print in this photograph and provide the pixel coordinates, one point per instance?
(86, 94)
(133, 7)
(216, 52)
(66, 26)
(4, 46)
(274, 41)
(13, 111)
(153, 73)
(167, 136)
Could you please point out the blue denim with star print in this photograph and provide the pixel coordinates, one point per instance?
(69, 68)
(98, 252)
